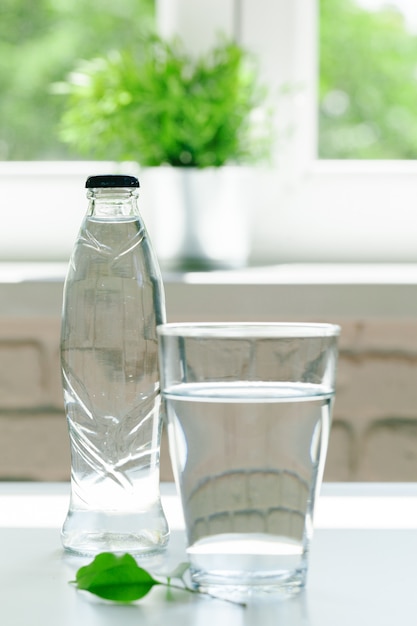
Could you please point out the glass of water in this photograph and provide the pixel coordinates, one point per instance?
(249, 411)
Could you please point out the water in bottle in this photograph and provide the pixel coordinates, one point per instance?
(113, 301)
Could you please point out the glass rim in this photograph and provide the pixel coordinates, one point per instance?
(224, 330)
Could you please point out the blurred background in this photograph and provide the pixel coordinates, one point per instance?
(346, 126)
(367, 72)
(333, 228)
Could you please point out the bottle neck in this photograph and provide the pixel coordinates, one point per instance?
(115, 202)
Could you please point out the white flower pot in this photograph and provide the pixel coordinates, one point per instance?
(197, 218)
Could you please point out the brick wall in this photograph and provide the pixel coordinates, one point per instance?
(33, 434)
(374, 433)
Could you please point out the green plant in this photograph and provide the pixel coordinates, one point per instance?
(158, 105)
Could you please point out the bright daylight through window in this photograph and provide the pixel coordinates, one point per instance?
(367, 83)
(368, 79)
(40, 43)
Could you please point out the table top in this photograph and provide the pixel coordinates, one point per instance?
(362, 566)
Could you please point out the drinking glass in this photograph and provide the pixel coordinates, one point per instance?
(249, 411)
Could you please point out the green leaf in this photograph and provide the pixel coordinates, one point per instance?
(117, 578)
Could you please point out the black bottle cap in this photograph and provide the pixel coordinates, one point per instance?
(111, 180)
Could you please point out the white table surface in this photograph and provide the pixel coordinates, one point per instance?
(362, 568)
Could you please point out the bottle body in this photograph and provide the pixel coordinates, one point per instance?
(113, 301)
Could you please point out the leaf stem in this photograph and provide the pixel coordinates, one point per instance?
(185, 587)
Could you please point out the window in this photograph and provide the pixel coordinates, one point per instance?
(368, 79)
(306, 209)
(367, 68)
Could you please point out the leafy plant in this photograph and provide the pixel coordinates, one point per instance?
(121, 579)
(158, 105)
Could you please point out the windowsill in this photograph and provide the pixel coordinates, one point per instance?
(314, 291)
(306, 274)
(279, 274)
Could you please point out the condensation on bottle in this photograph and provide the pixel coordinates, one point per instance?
(113, 302)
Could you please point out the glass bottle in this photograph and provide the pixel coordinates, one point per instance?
(113, 302)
